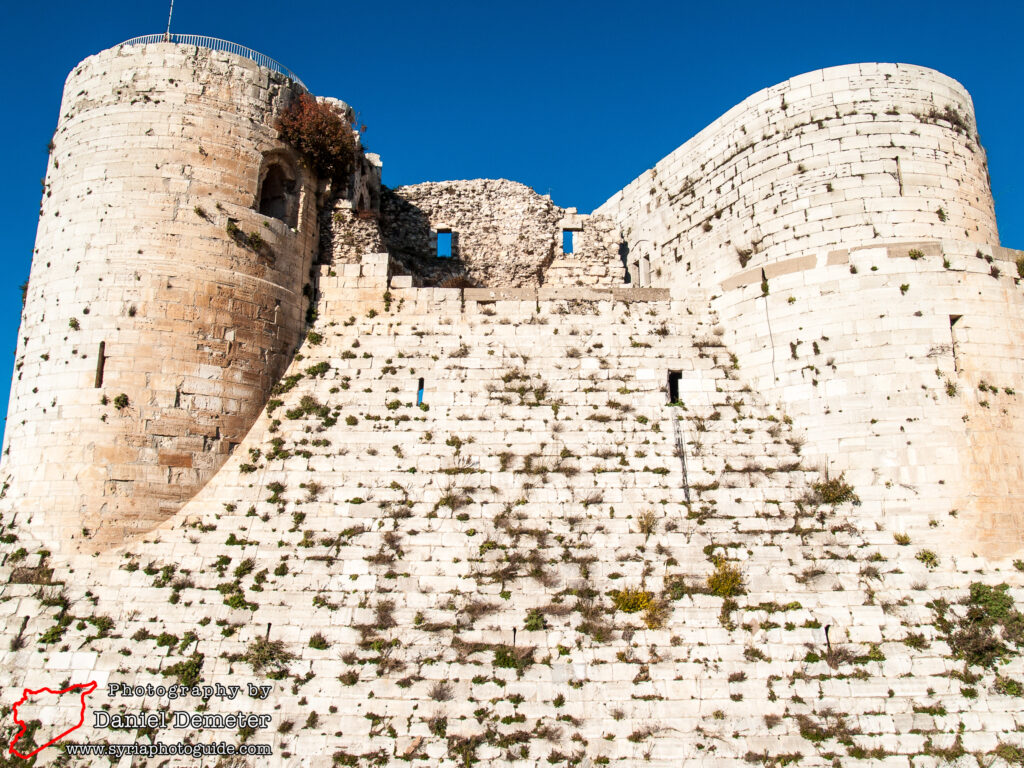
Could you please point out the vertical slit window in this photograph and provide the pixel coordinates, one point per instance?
(953, 320)
(101, 360)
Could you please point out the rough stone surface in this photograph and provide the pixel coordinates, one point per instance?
(503, 233)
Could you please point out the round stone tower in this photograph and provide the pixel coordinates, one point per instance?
(169, 287)
(860, 154)
(842, 227)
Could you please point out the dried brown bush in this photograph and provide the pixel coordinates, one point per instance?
(319, 131)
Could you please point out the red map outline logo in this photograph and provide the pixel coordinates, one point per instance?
(87, 688)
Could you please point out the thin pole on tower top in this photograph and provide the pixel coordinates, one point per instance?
(167, 34)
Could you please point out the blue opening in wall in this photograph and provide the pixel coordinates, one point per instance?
(444, 245)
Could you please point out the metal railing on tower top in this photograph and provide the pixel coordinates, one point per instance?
(216, 44)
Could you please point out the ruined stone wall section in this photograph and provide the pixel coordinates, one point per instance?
(345, 236)
(150, 249)
(503, 233)
(595, 261)
(852, 155)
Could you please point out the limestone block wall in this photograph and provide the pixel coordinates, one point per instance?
(903, 364)
(161, 306)
(442, 584)
(857, 154)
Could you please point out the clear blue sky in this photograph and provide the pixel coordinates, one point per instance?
(575, 97)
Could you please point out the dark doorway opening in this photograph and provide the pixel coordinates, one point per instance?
(674, 378)
(278, 196)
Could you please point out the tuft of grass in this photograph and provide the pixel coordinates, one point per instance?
(507, 657)
(928, 558)
(263, 654)
(981, 628)
(835, 492)
(726, 580)
(656, 613)
(186, 671)
(1008, 686)
(535, 620)
(441, 691)
(647, 522)
(630, 600)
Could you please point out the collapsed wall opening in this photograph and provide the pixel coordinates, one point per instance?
(495, 233)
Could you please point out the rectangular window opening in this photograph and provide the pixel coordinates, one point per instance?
(419, 393)
(444, 245)
(674, 377)
(101, 360)
(568, 241)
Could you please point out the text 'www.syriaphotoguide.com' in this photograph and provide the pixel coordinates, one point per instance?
(168, 749)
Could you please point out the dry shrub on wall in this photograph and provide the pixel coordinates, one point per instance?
(320, 132)
(460, 281)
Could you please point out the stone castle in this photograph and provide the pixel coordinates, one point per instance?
(726, 472)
